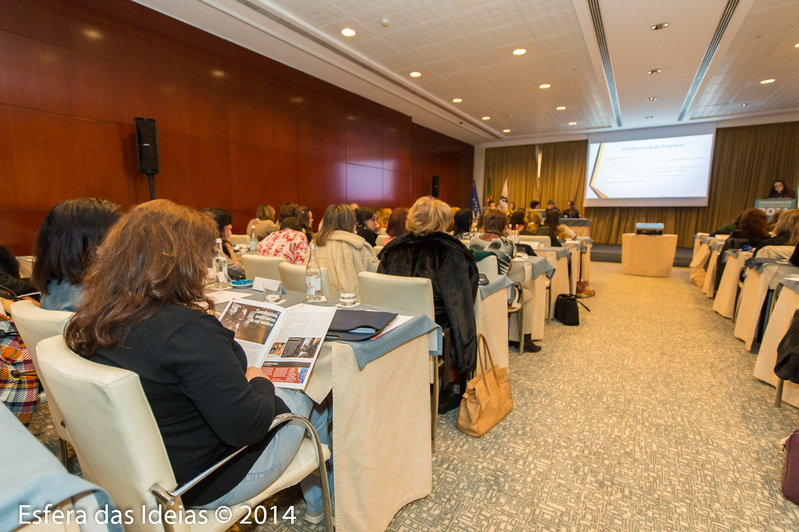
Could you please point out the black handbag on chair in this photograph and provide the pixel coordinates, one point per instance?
(566, 310)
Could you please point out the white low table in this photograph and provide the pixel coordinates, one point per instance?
(648, 255)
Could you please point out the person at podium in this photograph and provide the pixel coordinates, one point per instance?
(780, 190)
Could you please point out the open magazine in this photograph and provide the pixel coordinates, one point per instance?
(284, 341)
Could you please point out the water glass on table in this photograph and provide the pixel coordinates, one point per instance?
(347, 295)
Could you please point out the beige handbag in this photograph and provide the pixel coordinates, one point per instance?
(487, 399)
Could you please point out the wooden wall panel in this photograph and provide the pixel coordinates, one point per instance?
(261, 176)
(46, 158)
(235, 129)
(67, 82)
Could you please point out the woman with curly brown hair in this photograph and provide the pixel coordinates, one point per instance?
(144, 310)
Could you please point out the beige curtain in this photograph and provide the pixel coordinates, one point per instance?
(746, 161)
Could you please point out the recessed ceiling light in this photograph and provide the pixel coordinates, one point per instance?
(92, 34)
(486, 118)
(572, 123)
(348, 32)
(796, 45)
(661, 26)
(519, 51)
(560, 108)
(652, 98)
(654, 71)
(744, 105)
(767, 81)
(416, 74)
(506, 130)
(218, 73)
(544, 86)
(457, 100)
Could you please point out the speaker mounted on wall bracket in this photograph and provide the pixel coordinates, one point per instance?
(147, 150)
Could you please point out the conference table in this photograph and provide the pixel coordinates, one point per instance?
(532, 273)
(581, 226)
(781, 318)
(561, 280)
(381, 437)
(762, 278)
(701, 256)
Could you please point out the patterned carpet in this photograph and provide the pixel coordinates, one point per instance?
(645, 417)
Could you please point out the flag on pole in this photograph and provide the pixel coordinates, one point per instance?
(503, 199)
(476, 210)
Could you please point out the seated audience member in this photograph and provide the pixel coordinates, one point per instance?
(494, 238)
(396, 224)
(786, 232)
(462, 226)
(550, 206)
(516, 220)
(729, 228)
(571, 210)
(340, 250)
(780, 190)
(9, 274)
(65, 247)
(288, 242)
(491, 204)
(494, 241)
(535, 205)
(511, 206)
(532, 221)
(563, 232)
(753, 227)
(367, 227)
(287, 210)
(224, 223)
(383, 215)
(305, 216)
(263, 221)
(427, 251)
(143, 312)
(549, 228)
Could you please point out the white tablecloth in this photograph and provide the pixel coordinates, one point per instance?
(753, 296)
(727, 293)
(780, 320)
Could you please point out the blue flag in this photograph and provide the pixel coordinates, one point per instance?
(476, 210)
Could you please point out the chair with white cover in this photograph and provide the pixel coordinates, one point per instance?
(239, 239)
(489, 265)
(293, 278)
(408, 294)
(115, 434)
(260, 266)
(535, 241)
(34, 325)
(381, 239)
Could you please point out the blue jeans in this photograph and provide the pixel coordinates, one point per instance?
(280, 452)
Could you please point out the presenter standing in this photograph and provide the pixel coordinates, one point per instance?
(780, 190)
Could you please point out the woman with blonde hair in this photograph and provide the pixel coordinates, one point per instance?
(532, 221)
(264, 221)
(144, 310)
(428, 251)
(339, 249)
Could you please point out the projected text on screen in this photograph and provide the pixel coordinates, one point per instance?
(667, 171)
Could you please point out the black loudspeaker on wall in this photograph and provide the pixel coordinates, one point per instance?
(147, 145)
(435, 186)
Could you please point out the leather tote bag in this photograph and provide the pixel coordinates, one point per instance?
(790, 469)
(566, 310)
(487, 399)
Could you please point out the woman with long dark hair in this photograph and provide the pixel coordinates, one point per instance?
(65, 247)
(144, 310)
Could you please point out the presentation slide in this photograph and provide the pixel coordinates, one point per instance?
(672, 171)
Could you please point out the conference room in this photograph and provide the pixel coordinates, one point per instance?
(648, 414)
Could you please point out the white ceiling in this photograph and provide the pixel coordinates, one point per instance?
(463, 49)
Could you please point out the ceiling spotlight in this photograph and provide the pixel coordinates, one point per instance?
(767, 81)
(744, 105)
(654, 71)
(661, 26)
(572, 123)
(560, 108)
(385, 22)
(92, 34)
(486, 118)
(519, 51)
(544, 86)
(457, 100)
(348, 32)
(506, 130)
(416, 74)
(218, 73)
(796, 45)
(652, 98)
